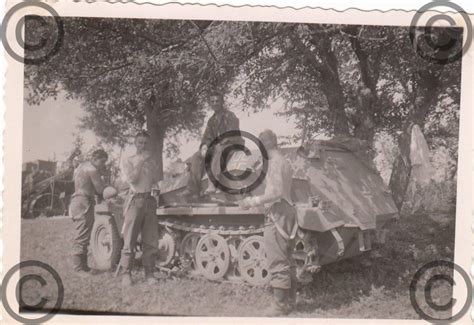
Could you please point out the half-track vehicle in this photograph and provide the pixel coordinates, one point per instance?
(343, 209)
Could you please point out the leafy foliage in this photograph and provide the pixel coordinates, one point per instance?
(369, 75)
(334, 79)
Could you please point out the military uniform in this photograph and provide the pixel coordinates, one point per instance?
(140, 213)
(280, 230)
(221, 122)
(87, 183)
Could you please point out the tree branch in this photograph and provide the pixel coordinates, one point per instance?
(205, 42)
(111, 69)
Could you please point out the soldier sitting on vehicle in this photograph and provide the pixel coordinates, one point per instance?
(87, 184)
(221, 121)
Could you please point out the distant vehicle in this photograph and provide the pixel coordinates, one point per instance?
(45, 190)
(343, 209)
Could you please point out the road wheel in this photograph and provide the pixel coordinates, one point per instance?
(106, 243)
(252, 261)
(166, 248)
(212, 257)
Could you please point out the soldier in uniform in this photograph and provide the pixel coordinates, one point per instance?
(280, 227)
(141, 173)
(221, 121)
(87, 184)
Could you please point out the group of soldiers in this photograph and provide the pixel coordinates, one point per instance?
(140, 172)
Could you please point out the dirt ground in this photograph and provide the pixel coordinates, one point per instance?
(374, 285)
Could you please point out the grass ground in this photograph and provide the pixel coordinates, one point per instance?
(374, 285)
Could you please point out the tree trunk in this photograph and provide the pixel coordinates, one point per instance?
(156, 131)
(401, 170)
(367, 88)
(335, 97)
(157, 138)
(323, 63)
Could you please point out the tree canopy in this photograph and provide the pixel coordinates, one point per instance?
(335, 79)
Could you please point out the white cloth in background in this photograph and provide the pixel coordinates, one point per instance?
(421, 173)
(422, 170)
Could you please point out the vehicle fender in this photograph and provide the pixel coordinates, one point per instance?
(113, 210)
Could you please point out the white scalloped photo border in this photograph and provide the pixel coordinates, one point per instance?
(298, 11)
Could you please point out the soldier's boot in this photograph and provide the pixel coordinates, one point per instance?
(84, 263)
(292, 298)
(292, 295)
(279, 306)
(127, 279)
(78, 266)
(150, 277)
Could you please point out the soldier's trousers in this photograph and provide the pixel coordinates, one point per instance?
(140, 217)
(197, 172)
(281, 217)
(81, 210)
(198, 169)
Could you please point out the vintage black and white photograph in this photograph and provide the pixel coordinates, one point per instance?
(176, 167)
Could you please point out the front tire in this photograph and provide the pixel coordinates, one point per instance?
(106, 243)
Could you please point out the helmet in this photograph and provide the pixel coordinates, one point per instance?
(109, 192)
(269, 139)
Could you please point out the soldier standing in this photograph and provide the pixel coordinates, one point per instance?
(141, 173)
(87, 184)
(280, 227)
